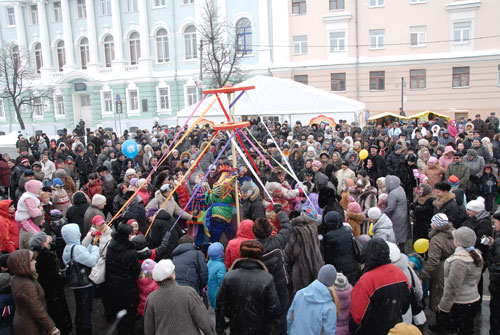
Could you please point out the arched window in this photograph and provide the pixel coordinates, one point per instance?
(84, 52)
(38, 57)
(162, 46)
(190, 51)
(244, 36)
(135, 48)
(109, 50)
(61, 56)
(16, 57)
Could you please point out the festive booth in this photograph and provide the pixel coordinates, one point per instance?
(322, 119)
(426, 115)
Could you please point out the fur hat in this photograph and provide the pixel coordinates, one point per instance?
(327, 275)
(37, 240)
(163, 270)
(130, 172)
(476, 205)
(374, 213)
(262, 228)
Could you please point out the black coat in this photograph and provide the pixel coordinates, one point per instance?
(84, 164)
(76, 212)
(408, 181)
(494, 267)
(190, 267)
(482, 227)
(137, 211)
(338, 249)
(392, 162)
(248, 297)
(47, 267)
(253, 208)
(122, 271)
(447, 205)
(423, 212)
(163, 223)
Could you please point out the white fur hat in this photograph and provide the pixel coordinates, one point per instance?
(163, 270)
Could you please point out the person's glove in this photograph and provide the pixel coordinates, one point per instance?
(277, 208)
(96, 233)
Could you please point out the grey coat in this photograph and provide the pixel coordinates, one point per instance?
(397, 209)
(88, 216)
(476, 165)
(383, 229)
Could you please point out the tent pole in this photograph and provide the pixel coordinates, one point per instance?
(235, 161)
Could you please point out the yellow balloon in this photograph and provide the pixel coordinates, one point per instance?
(421, 245)
(370, 229)
(363, 154)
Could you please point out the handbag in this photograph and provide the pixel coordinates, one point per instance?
(77, 274)
(99, 270)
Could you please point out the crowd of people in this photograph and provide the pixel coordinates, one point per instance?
(323, 242)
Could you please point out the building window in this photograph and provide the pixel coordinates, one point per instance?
(2, 111)
(109, 50)
(377, 39)
(301, 78)
(336, 4)
(34, 14)
(191, 95)
(190, 50)
(462, 32)
(158, 3)
(417, 1)
(107, 102)
(37, 108)
(105, 7)
(417, 79)
(133, 101)
(38, 57)
(418, 36)
(84, 52)
(337, 41)
(299, 7)
(11, 16)
(61, 55)
(81, 9)
(377, 80)
(162, 55)
(187, 2)
(16, 56)
(135, 48)
(300, 45)
(244, 36)
(338, 82)
(164, 98)
(131, 5)
(57, 11)
(377, 3)
(461, 76)
(59, 103)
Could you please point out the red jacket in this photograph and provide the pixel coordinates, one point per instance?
(9, 229)
(4, 173)
(146, 286)
(183, 195)
(92, 190)
(244, 233)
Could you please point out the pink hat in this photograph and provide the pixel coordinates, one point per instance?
(354, 207)
(433, 160)
(147, 266)
(448, 149)
(316, 163)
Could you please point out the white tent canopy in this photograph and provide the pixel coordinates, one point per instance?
(284, 98)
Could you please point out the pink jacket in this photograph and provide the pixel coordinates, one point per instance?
(244, 233)
(146, 287)
(345, 307)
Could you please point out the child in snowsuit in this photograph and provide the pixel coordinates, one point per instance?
(216, 271)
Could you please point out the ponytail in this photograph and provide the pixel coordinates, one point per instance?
(478, 260)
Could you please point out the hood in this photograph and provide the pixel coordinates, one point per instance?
(333, 220)
(317, 293)
(392, 182)
(327, 195)
(79, 198)
(159, 197)
(182, 248)
(19, 263)
(349, 154)
(33, 186)
(402, 263)
(375, 254)
(71, 233)
(4, 207)
(245, 229)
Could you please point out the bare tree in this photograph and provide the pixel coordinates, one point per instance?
(221, 56)
(16, 82)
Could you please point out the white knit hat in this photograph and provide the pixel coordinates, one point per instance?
(394, 252)
(130, 171)
(439, 219)
(163, 270)
(476, 205)
(98, 200)
(374, 213)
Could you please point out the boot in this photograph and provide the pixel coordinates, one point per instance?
(439, 326)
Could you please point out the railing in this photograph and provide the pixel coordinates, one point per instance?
(105, 70)
(57, 75)
(131, 68)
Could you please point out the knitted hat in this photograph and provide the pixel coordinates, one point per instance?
(439, 219)
(141, 181)
(341, 281)
(148, 266)
(216, 250)
(310, 213)
(404, 329)
(465, 237)
(130, 221)
(374, 213)
(98, 200)
(57, 182)
(394, 252)
(354, 207)
(37, 240)
(476, 205)
(134, 181)
(166, 188)
(327, 275)
(433, 160)
(317, 163)
(55, 212)
(130, 172)
(98, 220)
(24, 160)
(163, 270)
(310, 148)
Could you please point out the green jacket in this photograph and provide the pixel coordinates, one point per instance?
(460, 170)
(221, 212)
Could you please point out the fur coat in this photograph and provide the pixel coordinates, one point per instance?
(355, 220)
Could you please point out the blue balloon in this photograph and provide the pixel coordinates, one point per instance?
(130, 149)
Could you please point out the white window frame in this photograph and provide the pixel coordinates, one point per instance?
(159, 3)
(379, 35)
(2, 109)
(11, 16)
(415, 2)
(37, 109)
(57, 11)
(109, 50)
(131, 6)
(376, 3)
(461, 27)
(187, 95)
(337, 2)
(104, 104)
(59, 106)
(81, 9)
(300, 44)
(105, 7)
(61, 55)
(420, 33)
(415, 79)
(162, 46)
(189, 39)
(159, 88)
(188, 2)
(337, 44)
(129, 104)
(38, 57)
(84, 53)
(34, 15)
(460, 75)
(136, 52)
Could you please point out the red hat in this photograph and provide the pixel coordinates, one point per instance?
(24, 160)
(453, 179)
(129, 222)
(98, 220)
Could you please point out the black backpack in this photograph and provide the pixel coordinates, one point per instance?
(77, 275)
